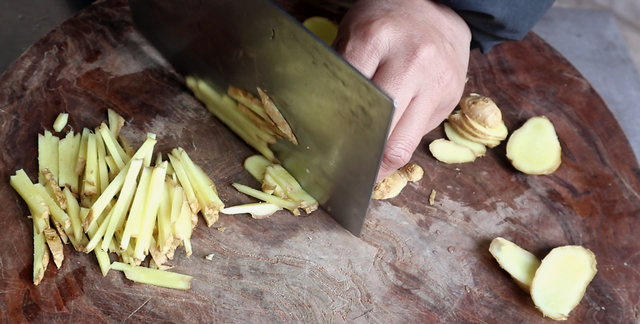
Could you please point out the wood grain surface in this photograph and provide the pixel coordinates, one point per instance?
(414, 263)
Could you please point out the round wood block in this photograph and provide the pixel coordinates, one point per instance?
(414, 262)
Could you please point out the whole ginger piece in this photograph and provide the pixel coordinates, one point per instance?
(392, 185)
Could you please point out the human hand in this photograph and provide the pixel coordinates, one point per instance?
(417, 51)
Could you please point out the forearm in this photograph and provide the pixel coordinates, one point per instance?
(493, 22)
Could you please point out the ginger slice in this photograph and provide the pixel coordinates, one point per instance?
(477, 148)
(450, 152)
(256, 210)
(534, 148)
(322, 27)
(257, 165)
(116, 122)
(292, 206)
(432, 197)
(251, 102)
(500, 132)
(60, 122)
(562, 279)
(153, 276)
(518, 262)
(277, 117)
(291, 187)
(52, 184)
(40, 255)
(55, 246)
(461, 121)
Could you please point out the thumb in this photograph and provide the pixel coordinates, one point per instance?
(408, 133)
(398, 151)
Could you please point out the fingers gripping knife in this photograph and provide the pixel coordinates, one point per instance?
(340, 118)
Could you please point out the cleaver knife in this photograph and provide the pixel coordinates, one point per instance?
(340, 118)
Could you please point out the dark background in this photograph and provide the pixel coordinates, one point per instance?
(22, 22)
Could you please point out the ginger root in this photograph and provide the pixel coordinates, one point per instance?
(411, 172)
(392, 185)
(481, 109)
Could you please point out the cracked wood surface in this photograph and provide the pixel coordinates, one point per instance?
(414, 263)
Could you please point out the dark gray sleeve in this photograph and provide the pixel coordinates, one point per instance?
(495, 21)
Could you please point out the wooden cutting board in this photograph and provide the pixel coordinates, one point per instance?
(414, 263)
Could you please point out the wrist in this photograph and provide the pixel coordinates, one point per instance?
(451, 25)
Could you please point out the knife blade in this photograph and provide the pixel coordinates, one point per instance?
(340, 118)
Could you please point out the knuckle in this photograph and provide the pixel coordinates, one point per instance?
(365, 44)
(446, 76)
(374, 34)
(424, 54)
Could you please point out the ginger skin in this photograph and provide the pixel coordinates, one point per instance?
(392, 185)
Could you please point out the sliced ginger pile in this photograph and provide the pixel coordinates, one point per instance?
(102, 196)
(557, 284)
(477, 125)
(257, 121)
(532, 149)
(279, 190)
